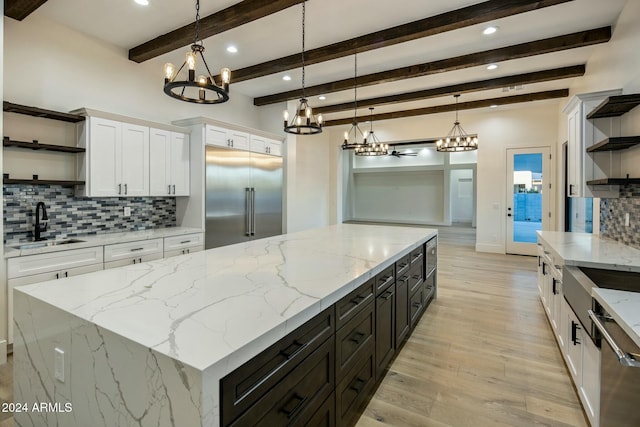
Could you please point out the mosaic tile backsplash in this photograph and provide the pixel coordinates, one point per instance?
(612, 215)
(74, 216)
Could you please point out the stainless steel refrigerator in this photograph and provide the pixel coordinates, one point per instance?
(243, 196)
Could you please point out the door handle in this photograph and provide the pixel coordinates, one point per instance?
(253, 211)
(125, 189)
(174, 189)
(169, 188)
(247, 208)
(574, 333)
(625, 359)
(119, 188)
(554, 287)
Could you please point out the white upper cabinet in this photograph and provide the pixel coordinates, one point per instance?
(169, 163)
(226, 137)
(116, 162)
(264, 145)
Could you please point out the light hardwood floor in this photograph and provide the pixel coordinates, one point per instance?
(482, 355)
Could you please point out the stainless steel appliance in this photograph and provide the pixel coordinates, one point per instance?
(243, 198)
(619, 355)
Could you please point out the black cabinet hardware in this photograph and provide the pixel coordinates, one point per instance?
(297, 402)
(574, 333)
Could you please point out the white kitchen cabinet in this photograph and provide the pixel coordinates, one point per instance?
(168, 163)
(264, 145)
(117, 158)
(229, 138)
(582, 133)
(184, 244)
(590, 387)
(49, 266)
(120, 254)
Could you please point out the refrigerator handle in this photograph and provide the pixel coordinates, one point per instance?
(253, 211)
(247, 211)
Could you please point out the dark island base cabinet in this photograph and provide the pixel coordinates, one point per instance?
(324, 373)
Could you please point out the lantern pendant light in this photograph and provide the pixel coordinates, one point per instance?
(202, 89)
(457, 139)
(372, 146)
(303, 121)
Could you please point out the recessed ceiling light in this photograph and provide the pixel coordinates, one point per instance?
(493, 106)
(492, 66)
(489, 30)
(142, 2)
(322, 97)
(232, 49)
(286, 77)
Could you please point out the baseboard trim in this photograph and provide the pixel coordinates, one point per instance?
(3, 352)
(490, 248)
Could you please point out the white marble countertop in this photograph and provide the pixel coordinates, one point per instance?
(623, 307)
(224, 305)
(100, 239)
(588, 250)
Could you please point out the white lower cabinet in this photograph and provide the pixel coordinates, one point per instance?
(120, 254)
(49, 266)
(573, 355)
(185, 244)
(590, 387)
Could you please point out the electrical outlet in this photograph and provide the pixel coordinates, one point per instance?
(626, 219)
(127, 211)
(58, 362)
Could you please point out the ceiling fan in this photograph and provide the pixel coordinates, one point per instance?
(398, 154)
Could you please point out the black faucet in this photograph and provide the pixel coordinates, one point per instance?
(40, 227)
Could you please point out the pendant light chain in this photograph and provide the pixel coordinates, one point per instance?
(457, 96)
(197, 34)
(355, 85)
(303, 35)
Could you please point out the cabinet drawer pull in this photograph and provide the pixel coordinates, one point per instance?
(185, 241)
(358, 299)
(357, 338)
(293, 349)
(574, 333)
(358, 385)
(125, 189)
(169, 188)
(297, 401)
(417, 276)
(57, 275)
(136, 249)
(544, 268)
(417, 304)
(404, 278)
(174, 189)
(554, 287)
(119, 188)
(387, 295)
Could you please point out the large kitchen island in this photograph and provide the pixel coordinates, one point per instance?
(290, 330)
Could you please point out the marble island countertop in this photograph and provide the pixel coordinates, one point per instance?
(588, 250)
(223, 306)
(11, 250)
(623, 307)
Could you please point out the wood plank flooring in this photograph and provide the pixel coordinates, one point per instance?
(482, 355)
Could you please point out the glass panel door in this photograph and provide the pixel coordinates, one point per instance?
(527, 198)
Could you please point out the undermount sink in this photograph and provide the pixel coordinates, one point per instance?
(45, 243)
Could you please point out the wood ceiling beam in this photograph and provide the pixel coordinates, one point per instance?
(482, 103)
(448, 21)
(519, 79)
(219, 22)
(20, 9)
(523, 50)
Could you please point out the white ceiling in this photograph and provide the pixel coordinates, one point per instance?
(127, 24)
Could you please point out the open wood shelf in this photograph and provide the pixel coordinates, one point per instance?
(615, 144)
(615, 106)
(41, 112)
(614, 181)
(41, 182)
(37, 146)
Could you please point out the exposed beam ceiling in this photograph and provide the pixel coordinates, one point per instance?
(535, 77)
(475, 14)
(482, 103)
(20, 9)
(523, 50)
(226, 19)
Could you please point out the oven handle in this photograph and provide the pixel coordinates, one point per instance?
(624, 358)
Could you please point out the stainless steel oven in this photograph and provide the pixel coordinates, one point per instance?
(619, 372)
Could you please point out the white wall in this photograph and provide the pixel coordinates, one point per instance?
(3, 270)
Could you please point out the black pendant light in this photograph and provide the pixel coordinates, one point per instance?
(202, 89)
(457, 139)
(354, 137)
(303, 121)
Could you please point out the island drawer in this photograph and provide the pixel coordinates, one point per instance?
(326, 415)
(354, 391)
(417, 255)
(133, 250)
(251, 381)
(355, 301)
(186, 241)
(415, 278)
(385, 278)
(53, 261)
(415, 307)
(292, 401)
(402, 265)
(428, 288)
(354, 339)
